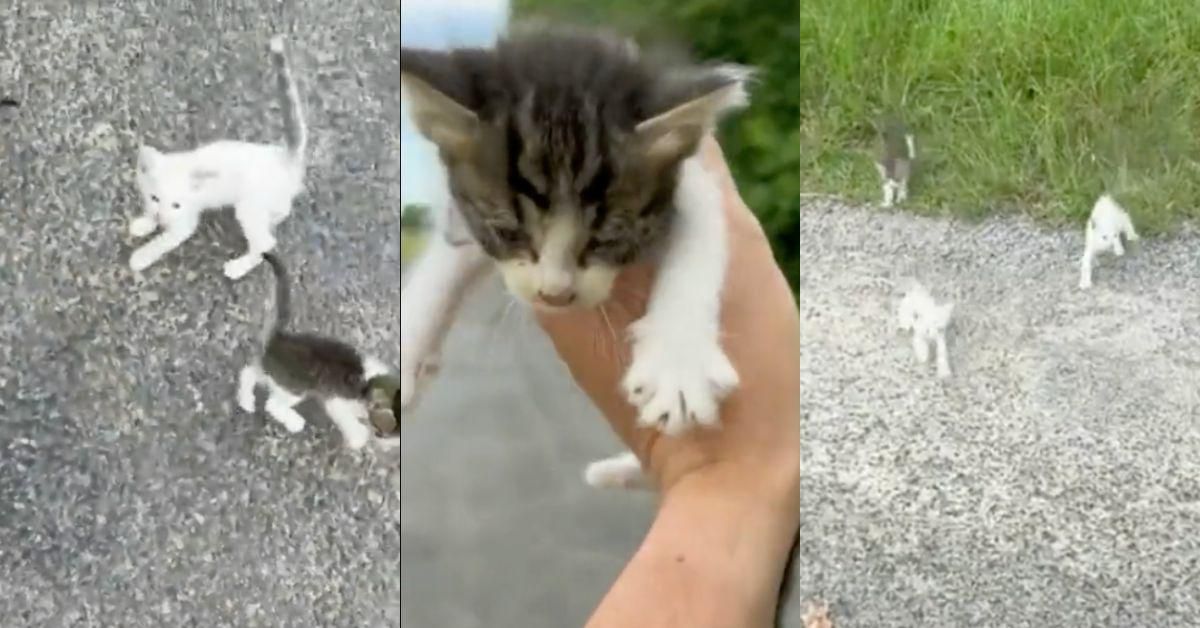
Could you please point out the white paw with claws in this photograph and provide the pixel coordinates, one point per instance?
(677, 380)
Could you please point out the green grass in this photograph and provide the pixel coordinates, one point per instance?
(1031, 106)
(412, 242)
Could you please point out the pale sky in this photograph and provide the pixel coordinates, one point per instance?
(439, 24)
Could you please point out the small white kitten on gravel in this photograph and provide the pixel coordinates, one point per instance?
(1105, 227)
(928, 321)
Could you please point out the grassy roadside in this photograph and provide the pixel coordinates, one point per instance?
(1016, 103)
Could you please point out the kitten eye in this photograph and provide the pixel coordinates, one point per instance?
(175, 205)
(509, 236)
(154, 198)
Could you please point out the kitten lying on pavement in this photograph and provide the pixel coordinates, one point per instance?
(927, 321)
(354, 388)
(258, 180)
(1105, 227)
(570, 155)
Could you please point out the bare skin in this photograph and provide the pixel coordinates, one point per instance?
(729, 505)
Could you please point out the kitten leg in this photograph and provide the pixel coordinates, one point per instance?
(619, 471)
(902, 192)
(348, 416)
(164, 243)
(887, 194)
(920, 346)
(428, 304)
(256, 227)
(679, 373)
(279, 407)
(247, 381)
(1085, 270)
(943, 356)
(1130, 232)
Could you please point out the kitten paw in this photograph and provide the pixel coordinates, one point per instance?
(621, 471)
(293, 424)
(1085, 283)
(246, 403)
(142, 226)
(141, 260)
(356, 437)
(237, 268)
(677, 382)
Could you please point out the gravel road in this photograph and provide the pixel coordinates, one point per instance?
(1053, 481)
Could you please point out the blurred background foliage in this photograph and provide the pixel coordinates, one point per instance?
(762, 143)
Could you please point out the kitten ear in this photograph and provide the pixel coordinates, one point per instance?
(430, 81)
(675, 134)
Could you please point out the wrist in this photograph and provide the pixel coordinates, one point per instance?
(713, 557)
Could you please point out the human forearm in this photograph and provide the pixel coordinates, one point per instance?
(713, 558)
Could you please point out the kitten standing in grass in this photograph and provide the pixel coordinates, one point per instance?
(895, 162)
(354, 388)
(1107, 224)
(258, 180)
(569, 156)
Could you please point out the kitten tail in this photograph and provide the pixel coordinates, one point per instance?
(295, 132)
(283, 299)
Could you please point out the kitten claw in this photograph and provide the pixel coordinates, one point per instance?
(675, 389)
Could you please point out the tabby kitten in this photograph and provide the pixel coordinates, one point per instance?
(895, 163)
(353, 387)
(569, 155)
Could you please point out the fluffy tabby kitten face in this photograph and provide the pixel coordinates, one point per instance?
(562, 149)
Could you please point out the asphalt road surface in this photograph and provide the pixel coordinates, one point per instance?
(132, 491)
(1053, 481)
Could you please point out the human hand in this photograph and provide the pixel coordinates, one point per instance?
(757, 439)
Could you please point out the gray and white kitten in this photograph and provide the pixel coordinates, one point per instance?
(354, 388)
(895, 162)
(570, 155)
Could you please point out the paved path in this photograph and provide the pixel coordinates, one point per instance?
(1055, 481)
(132, 493)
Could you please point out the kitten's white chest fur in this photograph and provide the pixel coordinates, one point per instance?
(928, 321)
(1106, 226)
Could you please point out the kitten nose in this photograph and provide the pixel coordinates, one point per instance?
(561, 299)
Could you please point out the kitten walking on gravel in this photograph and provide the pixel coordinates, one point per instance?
(895, 162)
(354, 388)
(258, 180)
(1108, 223)
(920, 314)
(569, 156)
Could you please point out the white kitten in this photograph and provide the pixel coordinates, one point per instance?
(928, 321)
(258, 180)
(1105, 228)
